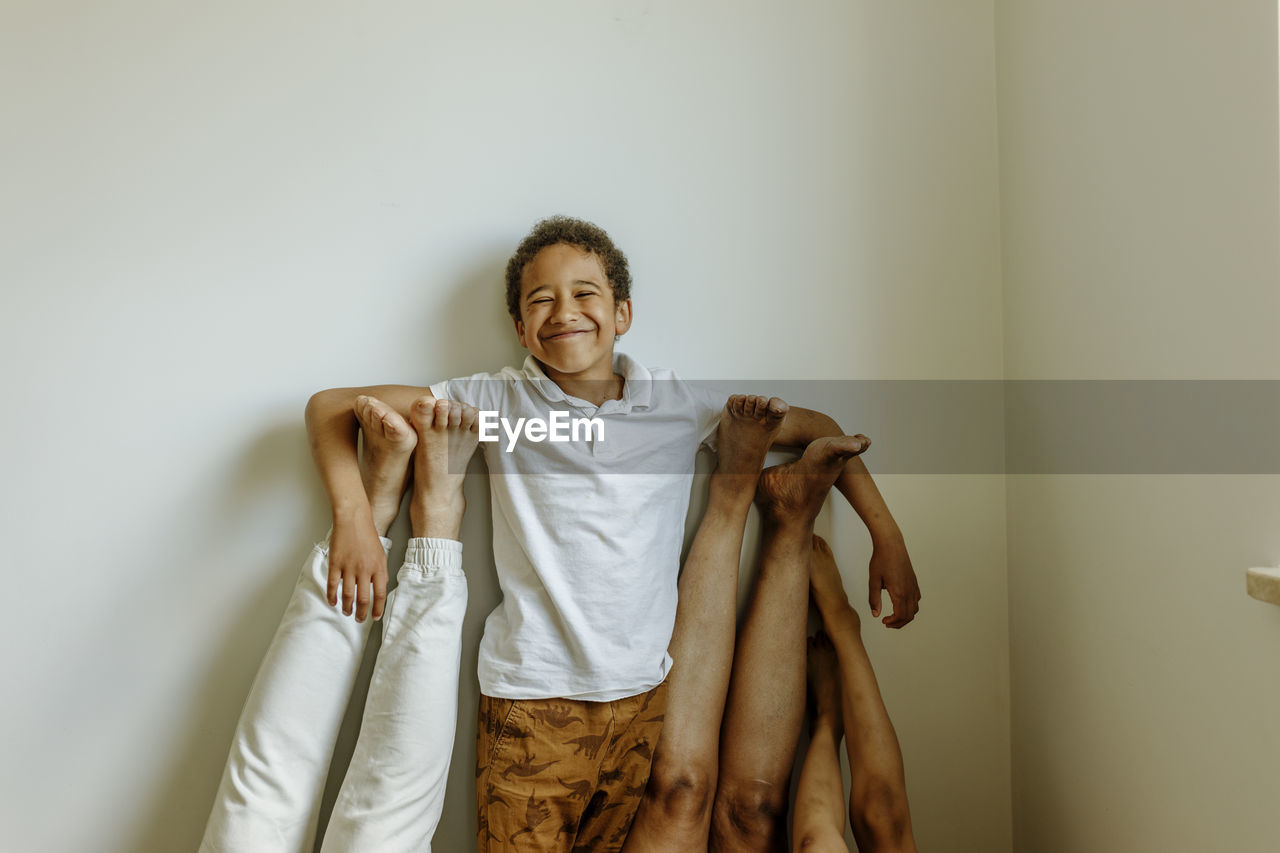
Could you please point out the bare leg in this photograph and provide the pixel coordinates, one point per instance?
(878, 794)
(819, 818)
(675, 813)
(392, 796)
(447, 439)
(765, 707)
(384, 468)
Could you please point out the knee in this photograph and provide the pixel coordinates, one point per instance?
(821, 841)
(680, 795)
(751, 813)
(879, 813)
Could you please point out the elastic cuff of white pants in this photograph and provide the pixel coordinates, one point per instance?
(386, 543)
(434, 555)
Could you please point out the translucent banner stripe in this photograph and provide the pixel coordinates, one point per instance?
(1018, 427)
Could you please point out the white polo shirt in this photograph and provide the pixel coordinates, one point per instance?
(587, 533)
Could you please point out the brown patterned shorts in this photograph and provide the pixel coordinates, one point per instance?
(563, 774)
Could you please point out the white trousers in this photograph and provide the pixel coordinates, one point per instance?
(393, 793)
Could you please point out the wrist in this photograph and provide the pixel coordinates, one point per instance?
(350, 513)
(888, 539)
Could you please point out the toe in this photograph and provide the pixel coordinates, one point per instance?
(421, 411)
(440, 415)
(470, 417)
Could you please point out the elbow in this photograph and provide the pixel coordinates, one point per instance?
(314, 404)
(829, 424)
(818, 424)
(322, 404)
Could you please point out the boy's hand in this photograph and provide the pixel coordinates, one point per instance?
(357, 567)
(891, 570)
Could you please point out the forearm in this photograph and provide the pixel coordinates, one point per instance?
(333, 431)
(803, 426)
(860, 490)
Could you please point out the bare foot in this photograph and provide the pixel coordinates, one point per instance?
(748, 425)
(827, 589)
(384, 468)
(823, 683)
(795, 491)
(447, 439)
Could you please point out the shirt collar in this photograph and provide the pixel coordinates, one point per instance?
(637, 386)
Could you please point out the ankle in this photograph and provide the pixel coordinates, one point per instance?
(843, 626)
(734, 482)
(731, 492)
(826, 724)
(384, 516)
(787, 526)
(439, 518)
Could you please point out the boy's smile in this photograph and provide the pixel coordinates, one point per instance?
(568, 319)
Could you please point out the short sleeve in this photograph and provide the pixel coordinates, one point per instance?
(708, 403)
(482, 390)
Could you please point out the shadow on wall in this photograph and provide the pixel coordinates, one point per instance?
(176, 816)
(470, 332)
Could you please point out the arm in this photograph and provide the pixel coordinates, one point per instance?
(355, 551)
(890, 567)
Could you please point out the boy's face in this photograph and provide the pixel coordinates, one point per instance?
(568, 317)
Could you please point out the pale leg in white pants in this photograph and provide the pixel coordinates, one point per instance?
(393, 793)
(274, 779)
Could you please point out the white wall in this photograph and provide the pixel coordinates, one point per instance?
(211, 211)
(1138, 151)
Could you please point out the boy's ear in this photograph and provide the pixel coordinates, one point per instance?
(623, 316)
(520, 333)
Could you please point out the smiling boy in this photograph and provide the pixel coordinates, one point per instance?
(568, 316)
(587, 539)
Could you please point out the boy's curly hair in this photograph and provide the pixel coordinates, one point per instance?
(574, 232)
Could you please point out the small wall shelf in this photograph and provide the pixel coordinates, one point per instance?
(1264, 584)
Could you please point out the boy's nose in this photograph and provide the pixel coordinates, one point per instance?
(566, 310)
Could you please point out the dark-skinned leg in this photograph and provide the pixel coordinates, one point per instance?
(675, 813)
(765, 707)
(878, 809)
(820, 805)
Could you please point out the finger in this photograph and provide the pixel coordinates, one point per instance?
(905, 608)
(899, 620)
(379, 594)
(335, 581)
(362, 599)
(911, 603)
(873, 596)
(348, 592)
